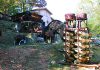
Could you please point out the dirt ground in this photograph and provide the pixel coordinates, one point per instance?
(28, 58)
(42, 57)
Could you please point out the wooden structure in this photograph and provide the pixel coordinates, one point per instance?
(28, 21)
(45, 13)
(77, 39)
(85, 67)
(53, 28)
(26, 16)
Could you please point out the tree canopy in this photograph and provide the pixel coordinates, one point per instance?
(5, 5)
(92, 8)
(11, 6)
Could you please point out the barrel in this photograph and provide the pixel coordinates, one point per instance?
(70, 17)
(81, 16)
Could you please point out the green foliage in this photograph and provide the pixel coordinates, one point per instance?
(5, 5)
(96, 55)
(38, 3)
(7, 25)
(8, 34)
(12, 10)
(92, 8)
(9, 6)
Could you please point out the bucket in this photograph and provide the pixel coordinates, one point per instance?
(85, 67)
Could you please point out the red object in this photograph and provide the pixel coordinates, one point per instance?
(81, 16)
(70, 17)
